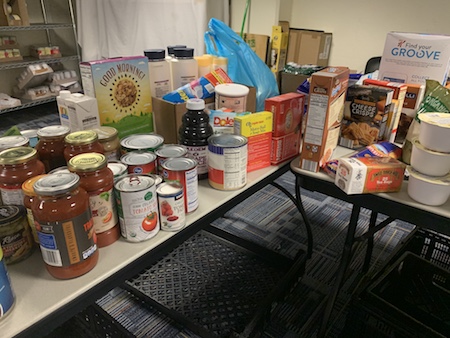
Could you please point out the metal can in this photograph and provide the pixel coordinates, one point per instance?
(60, 170)
(184, 171)
(144, 142)
(227, 161)
(12, 141)
(15, 235)
(137, 207)
(168, 151)
(119, 169)
(139, 162)
(172, 216)
(7, 297)
(158, 179)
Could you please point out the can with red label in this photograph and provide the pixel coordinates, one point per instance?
(168, 151)
(140, 162)
(172, 216)
(143, 142)
(137, 207)
(184, 171)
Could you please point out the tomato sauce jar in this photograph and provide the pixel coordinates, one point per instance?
(50, 146)
(65, 226)
(109, 138)
(29, 194)
(83, 141)
(137, 207)
(16, 166)
(98, 180)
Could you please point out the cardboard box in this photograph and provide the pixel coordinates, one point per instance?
(257, 128)
(17, 17)
(369, 175)
(167, 115)
(79, 112)
(288, 83)
(325, 112)
(122, 89)
(280, 37)
(366, 113)
(414, 58)
(287, 110)
(309, 47)
(260, 44)
(285, 147)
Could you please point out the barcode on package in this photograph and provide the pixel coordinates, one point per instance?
(51, 257)
(347, 143)
(309, 165)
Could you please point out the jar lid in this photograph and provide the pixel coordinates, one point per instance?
(10, 213)
(106, 133)
(81, 137)
(13, 141)
(53, 131)
(87, 162)
(56, 184)
(180, 52)
(155, 54)
(17, 155)
(195, 104)
(27, 186)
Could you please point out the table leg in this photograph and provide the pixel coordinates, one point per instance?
(372, 223)
(343, 265)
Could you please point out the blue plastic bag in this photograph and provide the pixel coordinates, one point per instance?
(244, 66)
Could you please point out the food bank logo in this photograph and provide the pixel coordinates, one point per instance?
(417, 51)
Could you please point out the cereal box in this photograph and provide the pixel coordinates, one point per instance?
(122, 89)
(287, 110)
(369, 175)
(366, 114)
(325, 111)
(257, 128)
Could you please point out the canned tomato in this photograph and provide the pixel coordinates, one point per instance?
(227, 161)
(140, 162)
(119, 169)
(172, 216)
(7, 298)
(15, 235)
(137, 207)
(184, 171)
(143, 142)
(168, 151)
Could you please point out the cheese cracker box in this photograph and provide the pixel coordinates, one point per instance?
(366, 114)
(325, 111)
(257, 128)
(122, 89)
(369, 175)
(398, 99)
(287, 110)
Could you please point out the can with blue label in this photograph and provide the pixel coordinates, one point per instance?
(7, 298)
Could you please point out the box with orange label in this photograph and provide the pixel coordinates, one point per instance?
(369, 175)
(257, 128)
(325, 111)
(287, 112)
(285, 147)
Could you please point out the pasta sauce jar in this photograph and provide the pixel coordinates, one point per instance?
(50, 146)
(98, 180)
(29, 194)
(83, 141)
(108, 137)
(64, 225)
(16, 166)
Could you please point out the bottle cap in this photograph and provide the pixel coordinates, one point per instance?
(155, 54)
(183, 52)
(170, 48)
(195, 104)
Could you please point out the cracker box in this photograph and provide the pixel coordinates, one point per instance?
(369, 175)
(257, 128)
(325, 111)
(366, 114)
(287, 110)
(414, 58)
(122, 89)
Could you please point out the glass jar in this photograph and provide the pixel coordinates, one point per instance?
(50, 146)
(16, 166)
(98, 180)
(83, 141)
(28, 197)
(64, 225)
(108, 137)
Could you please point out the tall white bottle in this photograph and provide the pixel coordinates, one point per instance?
(159, 72)
(184, 67)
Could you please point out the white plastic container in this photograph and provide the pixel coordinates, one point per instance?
(220, 62)
(232, 96)
(204, 64)
(435, 131)
(184, 67)
(429, 162)
(428, 190)
(159, 72)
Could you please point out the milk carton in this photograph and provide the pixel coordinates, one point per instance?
(78, 111)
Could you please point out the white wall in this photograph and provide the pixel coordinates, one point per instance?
(359, 27)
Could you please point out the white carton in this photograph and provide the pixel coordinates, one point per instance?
(414, 58)
(78, 112)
